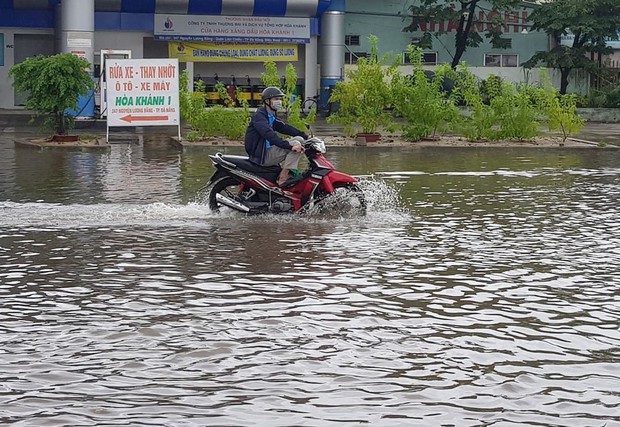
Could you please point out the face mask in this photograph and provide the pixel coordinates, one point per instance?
(276, 104)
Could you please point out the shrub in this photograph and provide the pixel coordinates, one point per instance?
(516, 112)
(295, 119)
(225, 97)
(423, 104)
(499, 111)
(365, 96)
(597, 99)
(290, 84)
(483, 119)
(560, 110)
(270, 76)
(229, 121)
(191, 103)
(490, 88)
(583, 101)
(613, 98)
(293, 108)
(216, 121)
(54, 84)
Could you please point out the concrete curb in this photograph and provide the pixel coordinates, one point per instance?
(41, 144)
(597, 144)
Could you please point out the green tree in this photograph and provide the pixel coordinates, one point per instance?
(270, 76)
(422, 103)
(53, 85)
(463, 16)
(365, 95)
(561, 110)
(292, 102)
(590, 22)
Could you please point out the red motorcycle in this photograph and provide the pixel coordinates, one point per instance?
(246, 187)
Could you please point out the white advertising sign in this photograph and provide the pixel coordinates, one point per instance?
(143, 92)
(252, 29)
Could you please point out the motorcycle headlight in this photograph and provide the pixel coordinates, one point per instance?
(318, 145)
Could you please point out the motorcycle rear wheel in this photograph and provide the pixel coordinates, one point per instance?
(227, 187)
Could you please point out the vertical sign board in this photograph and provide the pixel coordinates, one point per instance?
(143, 92)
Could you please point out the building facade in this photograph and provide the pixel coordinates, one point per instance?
(229, 40)
(388, 18)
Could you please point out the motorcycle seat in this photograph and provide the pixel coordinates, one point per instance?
(270, 173)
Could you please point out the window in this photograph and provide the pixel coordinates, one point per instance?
(428, 58)
(352, 40)
(510, 60)
(1, 48)
(492, 60)
(501, 60)
(352, 57)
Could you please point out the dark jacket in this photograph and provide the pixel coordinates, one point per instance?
(259, 131)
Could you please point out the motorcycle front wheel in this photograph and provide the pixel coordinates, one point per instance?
(229, 188)
(346, 200)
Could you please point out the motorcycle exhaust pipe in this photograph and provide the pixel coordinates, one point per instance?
(231, 203)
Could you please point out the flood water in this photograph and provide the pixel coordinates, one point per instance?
(482, 288)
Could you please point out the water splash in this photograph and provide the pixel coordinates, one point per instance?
(67, 216)
(383, 206)
(382, 199)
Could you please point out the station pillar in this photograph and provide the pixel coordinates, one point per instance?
(332, 49)
(76, 29)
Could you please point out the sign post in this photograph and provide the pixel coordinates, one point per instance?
(143, 92)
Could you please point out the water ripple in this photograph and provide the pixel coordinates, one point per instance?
(462, 299)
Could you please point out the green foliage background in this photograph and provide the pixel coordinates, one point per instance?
(366, 94)
(376, 96)
(218, 120)
(229, 120)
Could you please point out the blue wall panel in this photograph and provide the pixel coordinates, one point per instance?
(202, 7)
(138, 14)
(269, 7)
(323, 6)
(9, 4)
(26, 18)
(315, 28)
(137, 21)
(138, 6)
(107, 21)
(338, 5)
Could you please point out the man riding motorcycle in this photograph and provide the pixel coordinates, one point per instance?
(262, 142)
